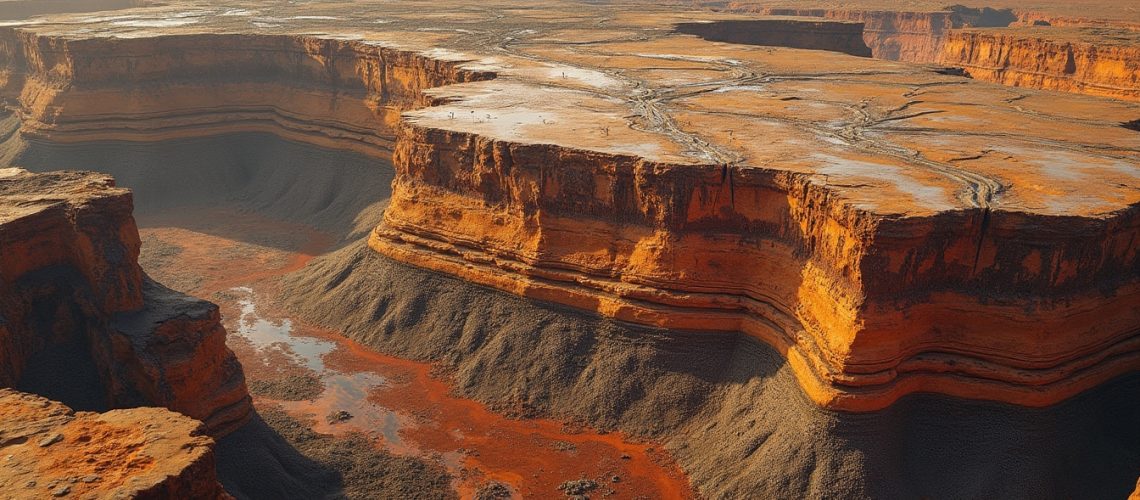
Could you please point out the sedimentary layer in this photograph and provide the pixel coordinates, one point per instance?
(53, 451)
(1101, 61)
(342, 94)
(727, 406)
(888, 229)
(72, 283)
(1040, 50)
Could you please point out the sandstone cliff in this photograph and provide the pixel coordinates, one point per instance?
(841, 292)
(1089, 56)
(71, 281)
(1074, 60)
(854, 214)
(341, 94)
(892, 35)
(53, 451)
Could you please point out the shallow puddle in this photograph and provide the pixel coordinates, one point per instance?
(398, 403)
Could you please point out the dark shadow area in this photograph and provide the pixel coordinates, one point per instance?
(971, 17)
(60, 365)
(255, 462)
(276, 456)
(951, 71)
(66, 373)
(792, 32)
(1132, 125)
(338, 192)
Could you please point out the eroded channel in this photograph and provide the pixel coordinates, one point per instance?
(339, 388)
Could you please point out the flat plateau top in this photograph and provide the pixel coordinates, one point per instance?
(23, 193)
(888, 138)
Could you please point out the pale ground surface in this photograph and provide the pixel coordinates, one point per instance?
(886, 137)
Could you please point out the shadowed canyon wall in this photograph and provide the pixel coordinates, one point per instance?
(683, 256)
(74, 298)
(834, 36)
(339, 94)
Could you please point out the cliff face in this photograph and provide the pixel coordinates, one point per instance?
(71, 279)
(891, 35)
(845, 37)
(1039, 59)
(53, 451)
(865, 225)
(862, 305)
(335, 93)
(1074, 55)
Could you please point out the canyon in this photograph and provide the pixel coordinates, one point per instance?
(72, 284)
(740, 239)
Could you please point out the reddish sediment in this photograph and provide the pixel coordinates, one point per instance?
(478, 444)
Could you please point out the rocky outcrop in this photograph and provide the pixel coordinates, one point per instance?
(892, 35)
(1088, 57)
(53, 451)
(71, 280)
(861, 224)
(863, 306)
(1078, 60)
(797, 33)
(342, 94)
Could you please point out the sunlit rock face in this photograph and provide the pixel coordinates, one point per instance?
(1015, 47)
(71, 282)
(1097, 61)
(887, 228)
(54, 451)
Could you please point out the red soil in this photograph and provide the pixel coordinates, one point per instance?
(403, 404)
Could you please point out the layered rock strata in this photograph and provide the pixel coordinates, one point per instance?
(866, 307)
(341, 94)
(71, 280)
(1087, 61)
(797, 33)
(53, 451)
(1088, 56)
(726, 406)
(888, 229)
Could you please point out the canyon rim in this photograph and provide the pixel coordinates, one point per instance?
(398, 249)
